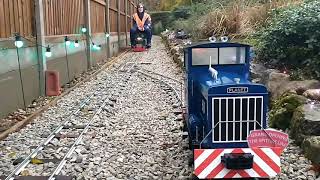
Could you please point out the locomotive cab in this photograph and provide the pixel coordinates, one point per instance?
(222, 107)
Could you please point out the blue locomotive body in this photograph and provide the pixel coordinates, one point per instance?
(223, 111)
(222, 104)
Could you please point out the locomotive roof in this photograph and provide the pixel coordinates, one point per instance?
(208, 44)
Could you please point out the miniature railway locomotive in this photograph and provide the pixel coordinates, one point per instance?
(141, 42)
(222, 107)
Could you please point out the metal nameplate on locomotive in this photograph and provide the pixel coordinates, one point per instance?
(237, 90)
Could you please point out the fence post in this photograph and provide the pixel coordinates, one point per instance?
(126, 13)
(118, 24)
(107, 17)
(86, 5)
(40, 41)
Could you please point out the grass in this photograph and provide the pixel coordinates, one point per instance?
(237, 19)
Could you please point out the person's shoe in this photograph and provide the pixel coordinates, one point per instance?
(148, 46)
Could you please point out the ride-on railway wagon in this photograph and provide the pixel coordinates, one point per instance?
(223, 108)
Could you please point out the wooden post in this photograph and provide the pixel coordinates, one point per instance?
(87, 21)
(126, 12)
(107, 17)
(118, 23)
(40, 41)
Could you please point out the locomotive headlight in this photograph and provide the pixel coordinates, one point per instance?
(212, 39)
(139, 38)
(224, 38)
(187, 42)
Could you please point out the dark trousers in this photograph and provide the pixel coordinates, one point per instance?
(133, 33)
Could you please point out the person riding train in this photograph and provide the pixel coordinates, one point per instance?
(142, 24)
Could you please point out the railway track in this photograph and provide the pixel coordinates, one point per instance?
(169, 84)
(71, 131)
(129, 107)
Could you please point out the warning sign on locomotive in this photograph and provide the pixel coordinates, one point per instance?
(268, 138)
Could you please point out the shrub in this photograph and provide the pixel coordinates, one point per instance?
(158, 28)
(164, 17)
(171, 4)
(292, 38)
(182, 12)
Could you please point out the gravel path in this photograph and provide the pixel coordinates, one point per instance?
(295, 166)
(137, 136)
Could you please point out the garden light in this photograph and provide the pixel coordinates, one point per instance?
(48, 52)
(18, 43)
(67, 41)
(83, 29)
(96, 47)
(76, 43)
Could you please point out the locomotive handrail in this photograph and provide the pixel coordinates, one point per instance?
(238, 122)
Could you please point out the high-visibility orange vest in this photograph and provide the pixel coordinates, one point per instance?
(139, 22)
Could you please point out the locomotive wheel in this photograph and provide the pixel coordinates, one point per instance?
(191, 147)
(184, 128)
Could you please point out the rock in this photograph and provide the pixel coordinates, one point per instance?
(179, 117)
(311, 173)
(283, 108)
(313, 94)
(305, 122)
(279, 83)
(275, 83)
(79, 159)
(258, 71)
(51, 165)
(311, 148)
(256, 80)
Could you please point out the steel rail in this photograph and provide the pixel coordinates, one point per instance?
(161, 80)
(73, 147)
(27, 160)
(77, 141)
(35, 152)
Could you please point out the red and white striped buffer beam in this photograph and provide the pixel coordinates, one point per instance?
(208, 164)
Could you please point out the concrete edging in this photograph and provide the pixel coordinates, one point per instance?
(24, 122)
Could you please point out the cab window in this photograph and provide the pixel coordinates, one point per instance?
(219, 56)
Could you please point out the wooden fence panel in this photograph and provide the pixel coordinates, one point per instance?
(113, 20)
(132, 11)
(123, 23)
(16, 16)
(122, 5)
(63, 17)
(113, 4)
(97, 17)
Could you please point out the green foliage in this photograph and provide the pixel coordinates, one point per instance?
(164, 17)
(168, 5)
(182, 12)
(292, 39)
(158, 28)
